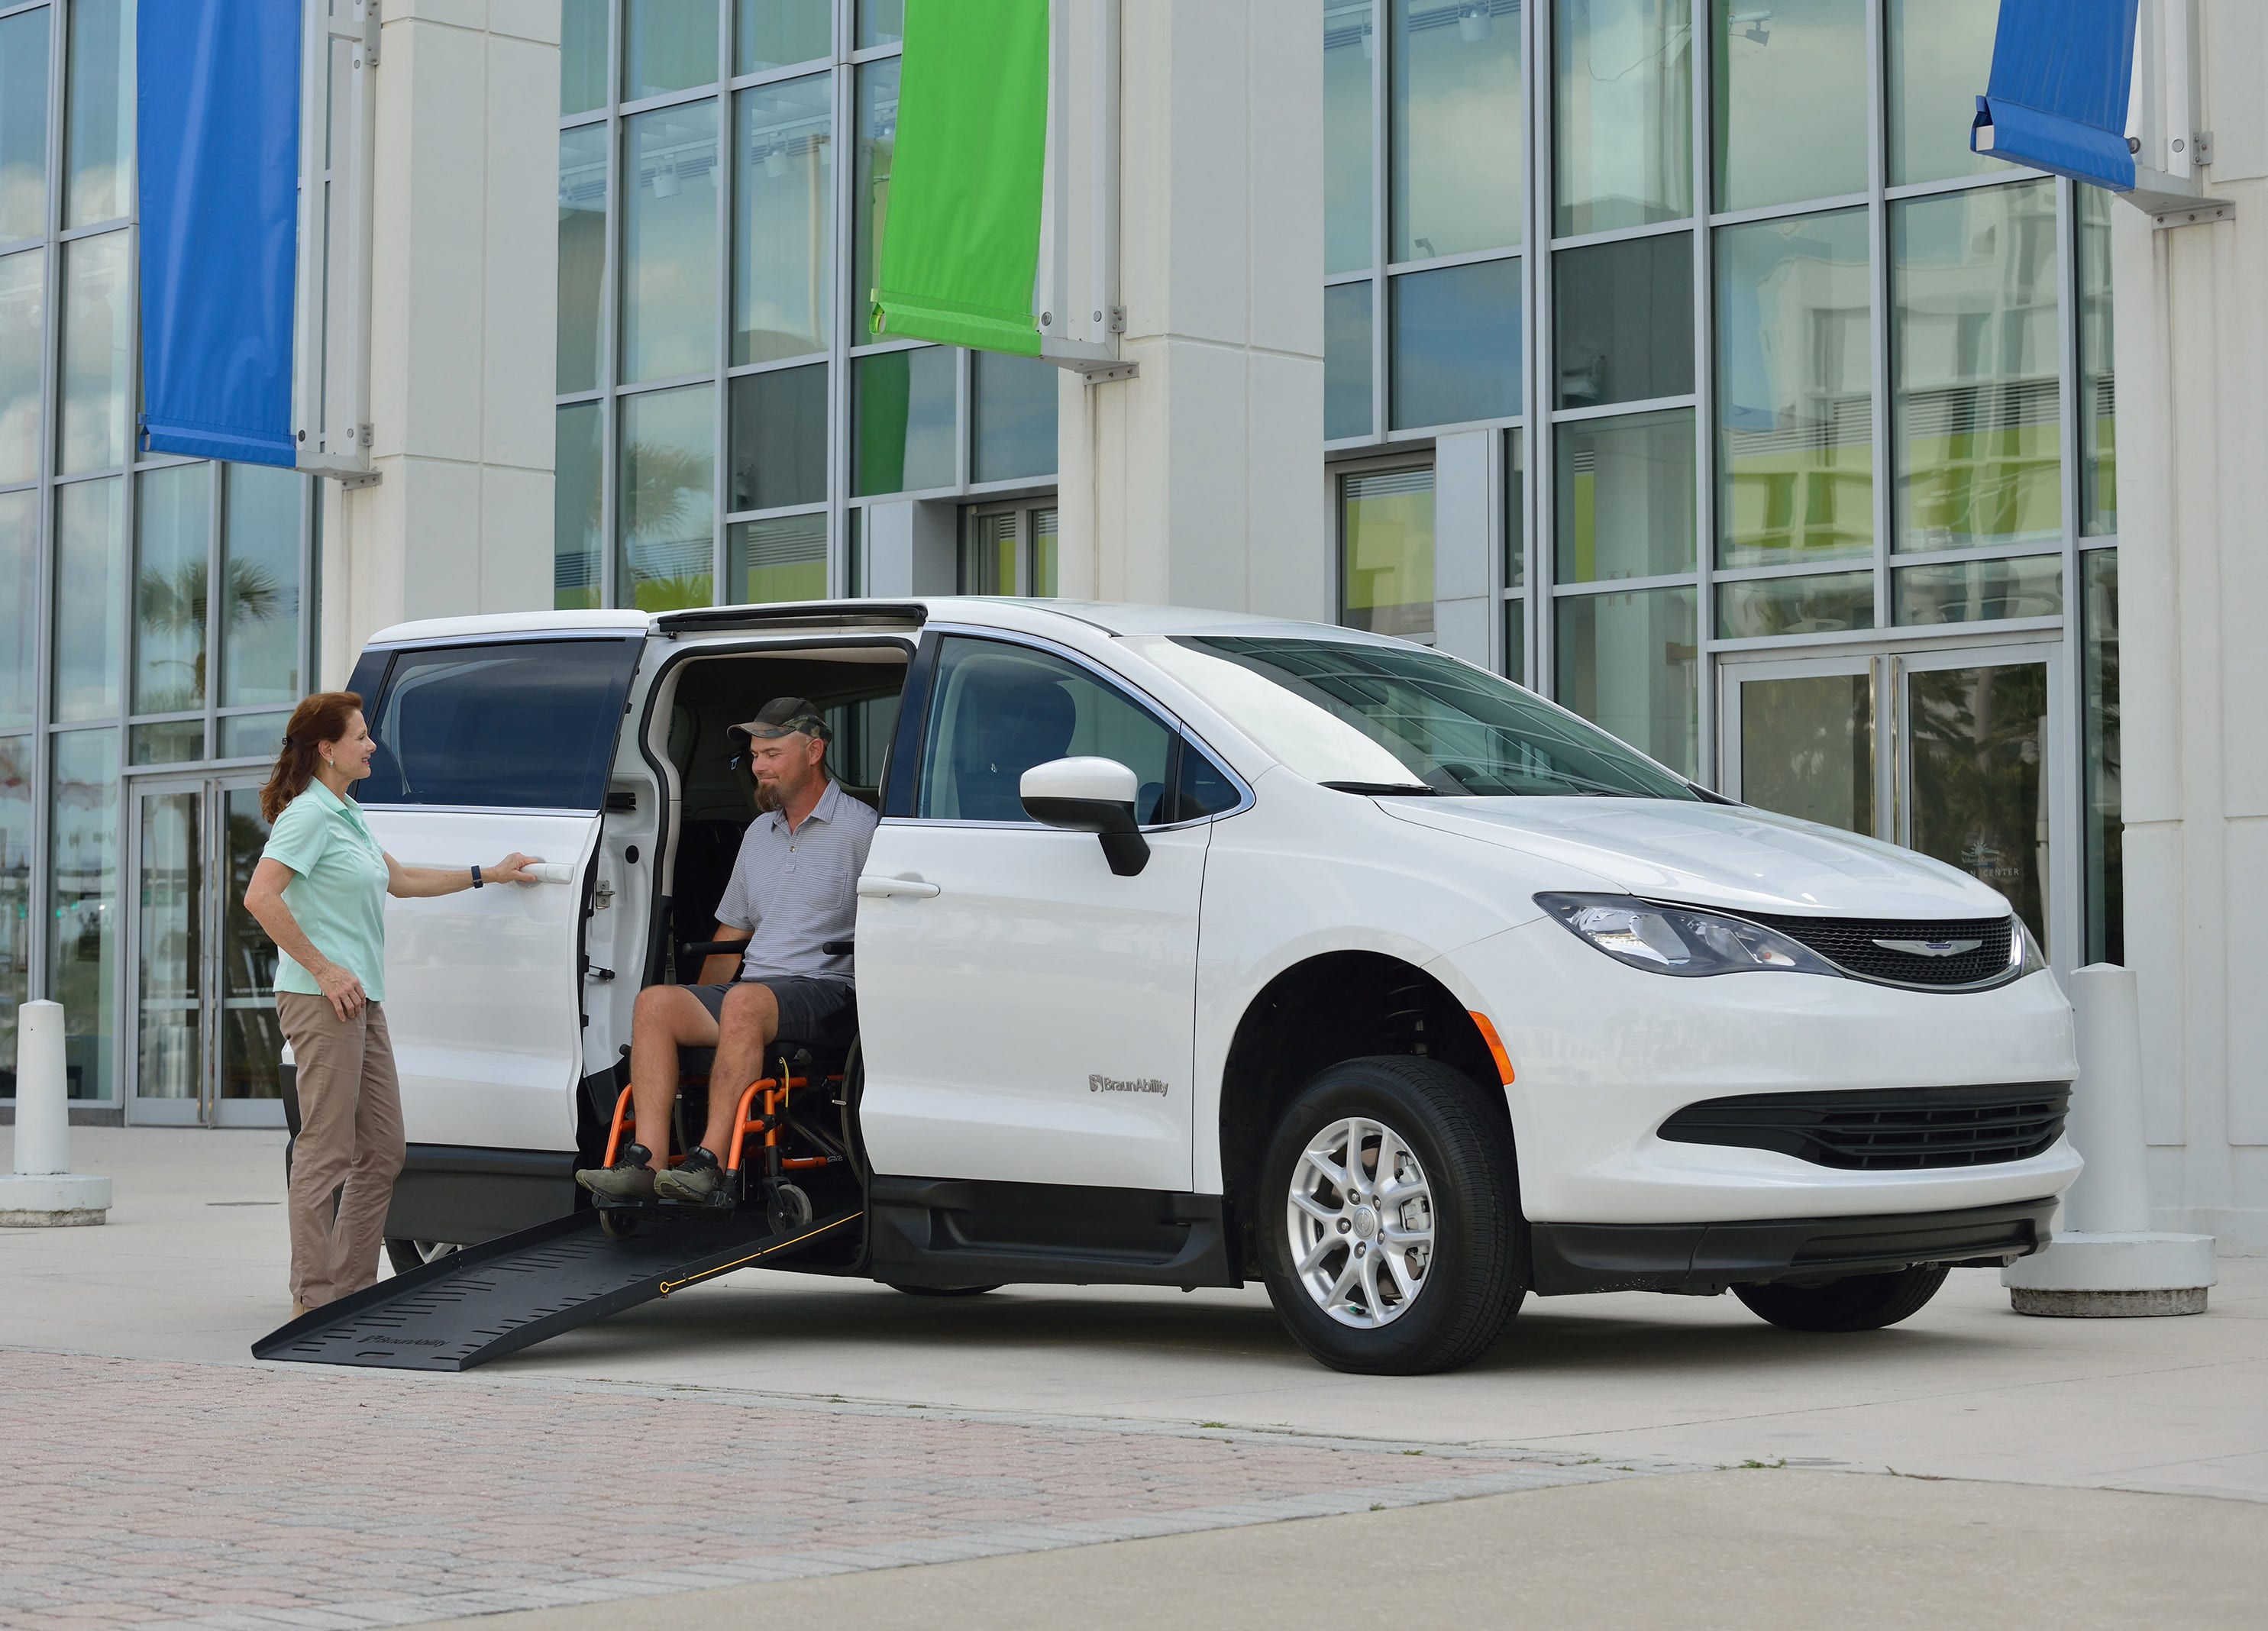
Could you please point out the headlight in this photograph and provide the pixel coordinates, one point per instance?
(2024, 954)
(1677, 940)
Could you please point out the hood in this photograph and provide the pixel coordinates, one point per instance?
(1727, 856)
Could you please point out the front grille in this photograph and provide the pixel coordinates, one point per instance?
(1849, 943)
(1885, 1130)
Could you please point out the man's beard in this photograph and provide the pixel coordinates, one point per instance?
(767, 798)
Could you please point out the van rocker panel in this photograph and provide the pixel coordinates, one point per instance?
(956, 1232)
(1706, 1257)
(463, 1195)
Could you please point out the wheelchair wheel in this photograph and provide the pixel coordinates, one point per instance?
(618, 1223)
(788, 1210)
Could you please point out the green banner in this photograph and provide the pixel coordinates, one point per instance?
(960, 238)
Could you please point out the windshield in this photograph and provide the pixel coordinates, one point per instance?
(1391, 719)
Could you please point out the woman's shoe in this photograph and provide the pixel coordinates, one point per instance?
(629, 1179)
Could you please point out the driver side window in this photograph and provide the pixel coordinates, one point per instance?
(997, 709)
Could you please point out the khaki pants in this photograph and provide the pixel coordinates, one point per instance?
(350, 1135)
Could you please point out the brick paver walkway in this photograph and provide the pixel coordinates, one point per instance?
(146, 1493)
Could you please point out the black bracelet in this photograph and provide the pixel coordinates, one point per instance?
(477, 878)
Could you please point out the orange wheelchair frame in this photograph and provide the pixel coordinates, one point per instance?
(773, 1093)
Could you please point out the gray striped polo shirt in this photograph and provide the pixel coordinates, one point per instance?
(795, 892)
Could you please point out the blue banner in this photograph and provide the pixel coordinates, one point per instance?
(217, 152)
(2062, 71)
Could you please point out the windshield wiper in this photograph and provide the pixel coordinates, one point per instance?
(1383, 789)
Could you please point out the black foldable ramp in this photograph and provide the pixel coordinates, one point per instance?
(495, 1299)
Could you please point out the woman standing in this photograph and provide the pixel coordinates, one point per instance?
(319, 891)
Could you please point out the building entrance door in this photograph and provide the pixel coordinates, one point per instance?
(1949, 751)
(206, 1046)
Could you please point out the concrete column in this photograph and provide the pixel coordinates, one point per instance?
(1201, 482)
(2192, 366)
(1465, 601)
(465, 281)
(912, 548)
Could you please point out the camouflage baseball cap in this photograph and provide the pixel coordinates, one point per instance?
(783, 715)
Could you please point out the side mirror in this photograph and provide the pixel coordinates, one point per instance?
(1090, 796)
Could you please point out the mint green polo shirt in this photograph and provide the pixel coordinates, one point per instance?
(337, 894)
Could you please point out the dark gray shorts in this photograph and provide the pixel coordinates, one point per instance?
(811, 1010)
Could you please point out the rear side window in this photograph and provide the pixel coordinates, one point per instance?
(515, 726)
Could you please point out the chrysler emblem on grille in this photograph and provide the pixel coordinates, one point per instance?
(1930, 948)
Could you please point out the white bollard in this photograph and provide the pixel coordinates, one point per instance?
(43, 1193)
(2105, 1262)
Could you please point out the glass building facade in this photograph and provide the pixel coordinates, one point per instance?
(1801, 461)
(161, 629)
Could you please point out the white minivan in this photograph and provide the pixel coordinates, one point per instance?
(1196, 948)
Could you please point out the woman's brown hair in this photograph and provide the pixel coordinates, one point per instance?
(323, 718)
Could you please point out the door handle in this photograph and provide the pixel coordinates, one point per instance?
(875, 888)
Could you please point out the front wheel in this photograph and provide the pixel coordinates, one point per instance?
(1390, 1218)
(1854, 1303)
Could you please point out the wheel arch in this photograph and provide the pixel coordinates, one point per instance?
(1335, 1005)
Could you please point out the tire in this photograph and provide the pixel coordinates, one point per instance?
(942, 1290)
(617, 1223)
(1471, 1271)
(1854, 1303)
(408, 1254)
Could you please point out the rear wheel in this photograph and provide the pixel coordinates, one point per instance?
(1389, 1218)
(1854, 1303)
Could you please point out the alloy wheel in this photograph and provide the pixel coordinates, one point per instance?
(1359, 1217)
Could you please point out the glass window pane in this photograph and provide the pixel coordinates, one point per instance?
(15, 920)
(2098, 381)
(19, 634)
(1807, 748)
(172, 523)
(1978, 747)
(252, 736)
(783, 237)
(1515, 510)
(582, 256)
(881, 22)
(90, 590)
(779, 438)
(24, 125)
(1796, 392)
(176, 742)
(1976, 352)
(83, 847)
(668, 45)
(1791, 101)
(1346, 360)
(260, 594)
(669, 244)
(2106, 822)
(782, 559)
(1625, 330)
(1455, 345)
(582, 56)
(988, 553)
(998, 709)
(1622, 105)
(1623, 497)
(1013, 410)
(1979, 591)
(23, 335)
(577, 511)
(1941, 55)
(869, 197)
(1629, 664)
(773, 34)
(1515, 641)
(1457, 114)
(666, 497)
(1350, 46)
(1386, 542)
(902, 408)
(96, 360)
(101, 98)
(1046, 524)
(1751, 608)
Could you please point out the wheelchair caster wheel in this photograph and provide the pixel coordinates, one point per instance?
(788, 1210)
(618, 1224)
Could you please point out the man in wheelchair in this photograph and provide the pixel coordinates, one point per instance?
(793, 893)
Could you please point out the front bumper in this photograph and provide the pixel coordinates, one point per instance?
(1706, 1257)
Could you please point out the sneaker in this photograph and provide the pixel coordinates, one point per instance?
(629, 1179)
(700, 1177)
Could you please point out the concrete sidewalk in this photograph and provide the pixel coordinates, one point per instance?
(191, 1267)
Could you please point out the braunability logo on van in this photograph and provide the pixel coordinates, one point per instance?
(1112, 1085)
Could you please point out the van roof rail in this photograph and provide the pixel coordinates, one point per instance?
(843, 614)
